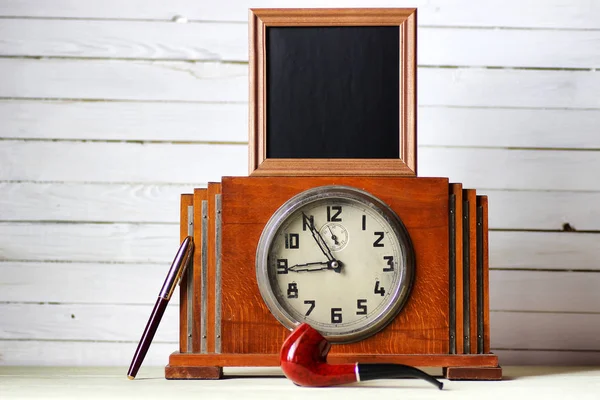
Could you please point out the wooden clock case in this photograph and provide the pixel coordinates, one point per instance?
(445, 323)
(224, 321)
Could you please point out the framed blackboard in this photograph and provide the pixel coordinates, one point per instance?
(332, 92)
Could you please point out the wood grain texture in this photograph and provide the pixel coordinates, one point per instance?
(86, 322)
(159, 40)
(108, 243)
(270, 360)
(214, 188)
(106, 162)
(470, 268)
(512, 169)
(548, 331)
(148, 243)
(504, 118)
(512, 330)
(508, 127)
(484, 168)
(125, 121)
(199, 266)
(226, 41)
(83, 283)
(227, 122)
(249, 203)
(457, 191)
(545, 291)
(482, 201)
(227, 82)
(52, 353)
(90, 202)
(187, 200)
(473, 374)
(520, 210)
(261, 20)
(575, 14)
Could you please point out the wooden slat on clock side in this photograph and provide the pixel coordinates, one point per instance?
(422, 204)
(483, 202)
(471, 196)
(456, 189)
(272, 360)
(213, 189)
(199, 196)
(185, 201)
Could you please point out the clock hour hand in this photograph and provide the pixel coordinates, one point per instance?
(320, 266)
(318, 238)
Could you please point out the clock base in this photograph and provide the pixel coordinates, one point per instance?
(455, 366)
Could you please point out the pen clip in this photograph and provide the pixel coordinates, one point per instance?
(178, 265)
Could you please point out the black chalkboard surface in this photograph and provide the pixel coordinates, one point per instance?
(333, 92)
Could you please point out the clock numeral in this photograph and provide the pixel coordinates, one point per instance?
(377, 242)
(292, 291)
(364, 222)
(312, 306)
(334, 217)
(292, 241)
(361, 304)
(307, 222)
(282, 266)
(390, 263)
(379, 289)
(336, 315)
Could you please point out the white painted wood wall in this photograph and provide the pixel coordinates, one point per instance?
(110, 109)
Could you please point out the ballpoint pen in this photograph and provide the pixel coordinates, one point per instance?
(175, 272)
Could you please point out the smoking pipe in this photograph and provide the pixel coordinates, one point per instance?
(303, 361)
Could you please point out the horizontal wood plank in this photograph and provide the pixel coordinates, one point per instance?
(84, 283)
(124, 323)
(510, 290)
(110, 243)
(545, 331)
(127, 121)
(85, 322)
(508, 127)
(224, 82)
(195, 164)
(541, 357)
(545, 291)
(69, 353)
(485, 168)
(162, 40)
(543, 210)
(155, 203)
(156, 243)
(545, 250)
(91, 202)
(124, 80)
(159, 40)
(578, 14)
(222, 122)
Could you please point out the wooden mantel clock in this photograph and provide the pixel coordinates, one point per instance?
(332, 226)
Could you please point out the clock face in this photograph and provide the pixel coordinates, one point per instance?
(336, 258)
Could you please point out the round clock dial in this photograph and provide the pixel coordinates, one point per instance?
(336, 258)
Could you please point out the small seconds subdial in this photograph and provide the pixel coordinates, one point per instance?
(335, 235)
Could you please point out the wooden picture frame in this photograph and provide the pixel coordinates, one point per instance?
(263, 22)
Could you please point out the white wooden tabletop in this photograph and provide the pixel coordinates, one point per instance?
(267, 383)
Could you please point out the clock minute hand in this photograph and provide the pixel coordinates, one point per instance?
(333, 263)
(317, 236)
